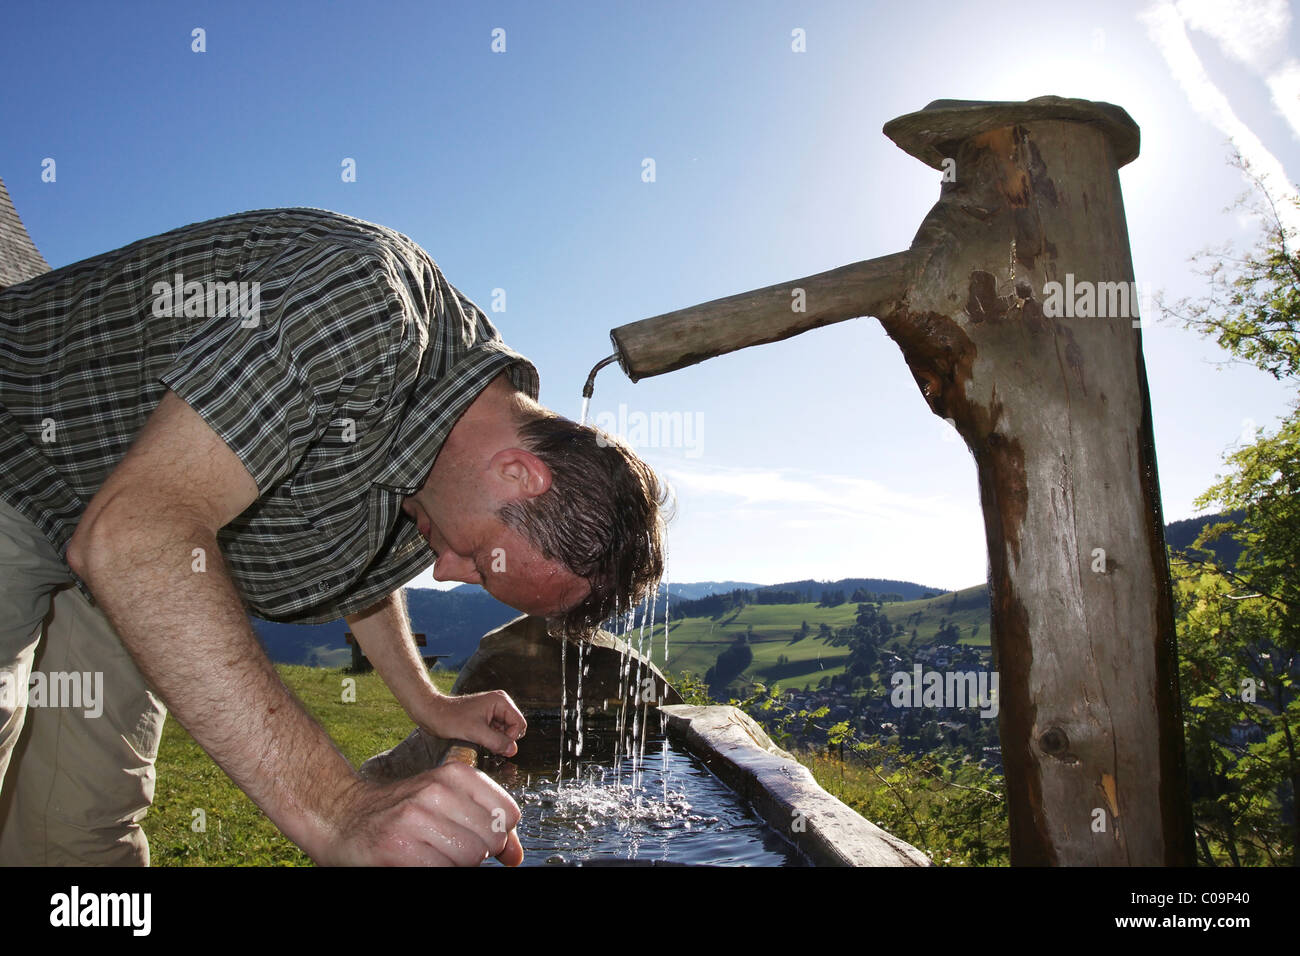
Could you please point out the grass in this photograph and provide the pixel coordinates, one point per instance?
(237, 832)
(954, 829)
(695, 643)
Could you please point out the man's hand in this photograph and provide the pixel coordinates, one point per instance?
(490, 719)
(452, 816)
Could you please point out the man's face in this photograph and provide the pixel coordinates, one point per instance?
(476, 547)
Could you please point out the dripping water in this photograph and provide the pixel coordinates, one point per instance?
(579, 716)
(564, 696)
(590, 386)
(632, 729)
(666, 585)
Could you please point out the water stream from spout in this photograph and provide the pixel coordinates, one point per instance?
(564, 696)
(634, 680)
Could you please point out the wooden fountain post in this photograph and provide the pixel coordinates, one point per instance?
(1048, 388)
(1055, 409)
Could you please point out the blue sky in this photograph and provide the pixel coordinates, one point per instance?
(521, 171)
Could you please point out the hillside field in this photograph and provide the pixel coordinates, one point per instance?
(695, 643)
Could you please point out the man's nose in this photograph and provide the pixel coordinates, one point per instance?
(452, 567)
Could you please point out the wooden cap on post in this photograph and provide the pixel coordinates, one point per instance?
(931, 134)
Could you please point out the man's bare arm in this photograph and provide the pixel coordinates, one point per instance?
(383, 631)
(491, 719)
(189, 634)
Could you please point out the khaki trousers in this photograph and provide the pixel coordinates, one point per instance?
(77, 753)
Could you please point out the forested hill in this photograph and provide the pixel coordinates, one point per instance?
(1179, 536)
(854, 590)
(454, 621)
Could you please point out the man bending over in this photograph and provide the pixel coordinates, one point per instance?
(290, 413)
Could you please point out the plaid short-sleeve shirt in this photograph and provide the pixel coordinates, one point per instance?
(330, 354)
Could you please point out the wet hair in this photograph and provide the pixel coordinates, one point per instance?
(602, 517)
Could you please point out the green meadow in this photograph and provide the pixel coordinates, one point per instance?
(695, 643)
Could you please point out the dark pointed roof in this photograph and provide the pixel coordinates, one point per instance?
(19, 258)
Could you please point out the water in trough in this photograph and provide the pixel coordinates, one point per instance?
(665, 809)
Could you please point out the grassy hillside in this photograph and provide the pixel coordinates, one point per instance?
(238, 833)
(695, 643)
(453, 621)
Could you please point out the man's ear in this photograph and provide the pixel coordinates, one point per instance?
(523, 473)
